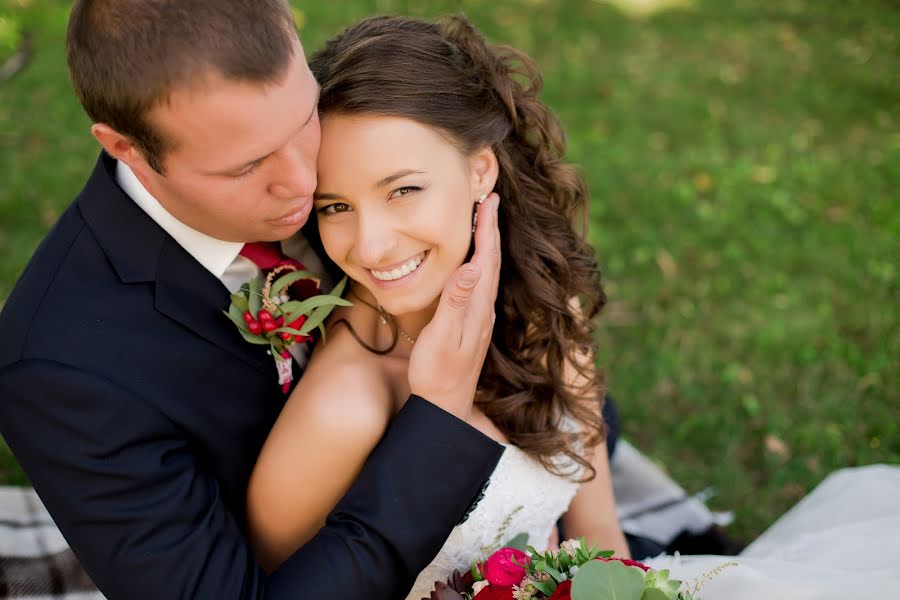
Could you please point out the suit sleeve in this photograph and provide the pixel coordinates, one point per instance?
(131, 495)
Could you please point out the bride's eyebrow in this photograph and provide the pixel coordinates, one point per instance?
(386, 181)
(399, 174)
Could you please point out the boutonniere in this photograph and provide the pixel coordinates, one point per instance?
(267, 315)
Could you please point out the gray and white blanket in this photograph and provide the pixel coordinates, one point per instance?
(35, 561)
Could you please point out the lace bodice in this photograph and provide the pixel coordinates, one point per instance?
(521, 491)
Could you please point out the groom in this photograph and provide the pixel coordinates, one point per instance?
(132, 403)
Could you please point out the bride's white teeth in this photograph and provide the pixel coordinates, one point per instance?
(401, 271)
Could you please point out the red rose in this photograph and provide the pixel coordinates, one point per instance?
(501, 569)
(627, 562)
(494, 593)
(563, 591)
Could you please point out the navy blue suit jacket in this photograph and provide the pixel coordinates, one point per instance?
(138, 412)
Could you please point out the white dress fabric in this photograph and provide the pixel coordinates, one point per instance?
(522, 495)
(842, 541)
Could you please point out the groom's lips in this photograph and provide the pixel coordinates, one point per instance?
(298, 216)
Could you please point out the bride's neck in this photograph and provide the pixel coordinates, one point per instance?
(411, 323)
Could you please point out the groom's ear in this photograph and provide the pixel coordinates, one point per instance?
(119, 147)
(485, 170)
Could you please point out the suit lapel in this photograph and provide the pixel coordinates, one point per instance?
(141, 252)
(189, 294)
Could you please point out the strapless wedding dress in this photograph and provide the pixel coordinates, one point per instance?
(522, 497)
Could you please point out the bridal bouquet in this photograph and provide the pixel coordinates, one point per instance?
(575, 572)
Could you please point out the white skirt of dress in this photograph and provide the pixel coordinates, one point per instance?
(841, 541)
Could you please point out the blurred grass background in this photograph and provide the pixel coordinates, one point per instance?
(744, 163)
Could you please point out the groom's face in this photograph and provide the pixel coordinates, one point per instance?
(242, 163)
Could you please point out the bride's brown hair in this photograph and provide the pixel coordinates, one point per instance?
(480, 95)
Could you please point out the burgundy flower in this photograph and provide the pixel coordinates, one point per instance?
(493, 592)
(563, 591)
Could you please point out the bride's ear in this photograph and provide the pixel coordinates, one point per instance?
(485, 170)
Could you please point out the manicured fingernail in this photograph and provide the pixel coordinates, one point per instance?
(468, 279)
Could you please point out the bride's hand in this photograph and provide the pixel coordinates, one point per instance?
(446, 361)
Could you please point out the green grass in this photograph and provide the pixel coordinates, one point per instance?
(744, 162)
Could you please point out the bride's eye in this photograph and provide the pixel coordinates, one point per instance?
(403, 191)
(332, 209)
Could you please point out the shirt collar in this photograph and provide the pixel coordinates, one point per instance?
(215, 255)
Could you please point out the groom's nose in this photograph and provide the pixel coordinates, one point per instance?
(295, 174)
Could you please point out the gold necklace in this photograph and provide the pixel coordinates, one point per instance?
(386, 318)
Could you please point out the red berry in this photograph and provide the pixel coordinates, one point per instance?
(280, 321)
(268, 325)
(264, 315)
(254, 327)
(285, 354)
(285, 335)
(248, 317)
(299, 338)
(298, 322)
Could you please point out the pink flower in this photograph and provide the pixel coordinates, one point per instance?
(501, 569)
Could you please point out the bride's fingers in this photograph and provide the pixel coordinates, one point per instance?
(450, 316)
(479, 320)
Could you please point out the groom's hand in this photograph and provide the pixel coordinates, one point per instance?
(449, 353)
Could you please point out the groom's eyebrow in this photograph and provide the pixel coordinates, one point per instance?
(248, 164)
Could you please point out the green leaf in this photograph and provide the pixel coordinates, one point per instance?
(289, 308)
(322, 333)
(598, 580)
(289, 330)
(547, 587)
(240, 301)
(339, 288)
(285, 280)
(316, 318)
(237, 318)
(254, 339)
(518, 542)
(255, 295)
(553, 573)
(657, 594)
(304, 308)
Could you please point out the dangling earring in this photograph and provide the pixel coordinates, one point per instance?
(475, 217)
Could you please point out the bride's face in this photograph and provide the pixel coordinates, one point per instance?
(394, 204)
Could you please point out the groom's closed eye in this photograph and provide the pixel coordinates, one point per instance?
(335, 208)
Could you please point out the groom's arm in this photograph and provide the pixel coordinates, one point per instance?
(137, 503)
(146, 519)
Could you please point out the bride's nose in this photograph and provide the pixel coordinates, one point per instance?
(375, 240)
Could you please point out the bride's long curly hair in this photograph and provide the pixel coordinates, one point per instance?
(446, 76)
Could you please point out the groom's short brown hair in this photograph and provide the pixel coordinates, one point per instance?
(126, 56)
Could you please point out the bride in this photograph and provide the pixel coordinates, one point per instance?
(420, 123)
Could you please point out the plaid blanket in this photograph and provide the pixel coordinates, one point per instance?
(35, 561)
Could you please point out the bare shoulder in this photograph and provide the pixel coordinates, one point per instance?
(343, 386)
